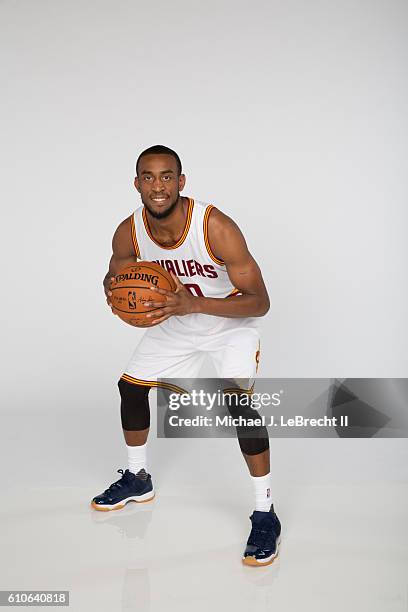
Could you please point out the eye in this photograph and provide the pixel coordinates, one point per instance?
(147, 178)
(166, 177)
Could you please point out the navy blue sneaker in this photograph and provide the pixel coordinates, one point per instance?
(129, 488)
(263, 542)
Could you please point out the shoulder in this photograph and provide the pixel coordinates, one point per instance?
(123, 227)
(122, 238)
(221, 225)
(225, 239)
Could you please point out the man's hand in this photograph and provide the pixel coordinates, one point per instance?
(179, 302)
(106, 285)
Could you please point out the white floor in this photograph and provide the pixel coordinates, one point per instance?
(342, 503)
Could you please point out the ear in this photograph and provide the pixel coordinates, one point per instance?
(136, 183)
(182, 181)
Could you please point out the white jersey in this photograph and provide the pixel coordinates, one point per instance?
(191, 258)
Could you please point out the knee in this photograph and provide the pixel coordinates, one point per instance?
(257, 443)
(253, 439)
(134, 406)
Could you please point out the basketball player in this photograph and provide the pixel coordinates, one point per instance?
(220, 293)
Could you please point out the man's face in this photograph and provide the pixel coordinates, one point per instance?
(159, 184)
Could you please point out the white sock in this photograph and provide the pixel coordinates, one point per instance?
(137, 458)
(262, 489)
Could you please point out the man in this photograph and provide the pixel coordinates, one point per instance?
(190, 238)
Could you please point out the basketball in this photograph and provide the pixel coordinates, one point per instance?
(131, 289)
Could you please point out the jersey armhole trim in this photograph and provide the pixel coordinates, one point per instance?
(218, 261)
(234, 292)
(134, 239)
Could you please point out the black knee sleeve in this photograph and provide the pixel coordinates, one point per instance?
(134, 406)
(252, 439)
(254, 446)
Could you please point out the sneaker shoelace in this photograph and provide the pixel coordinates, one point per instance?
(261, 535)
(119, 483)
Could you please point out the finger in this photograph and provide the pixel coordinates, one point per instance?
(158, 313)
(161, 291)
(179, 284)
(153, 304)
(158, 321)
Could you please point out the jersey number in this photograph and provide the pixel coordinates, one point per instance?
(194, 289)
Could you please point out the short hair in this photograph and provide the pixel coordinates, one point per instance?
(159, 150)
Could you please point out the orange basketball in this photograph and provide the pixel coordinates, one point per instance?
(131, 289)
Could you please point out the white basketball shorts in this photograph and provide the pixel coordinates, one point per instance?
(177, 348)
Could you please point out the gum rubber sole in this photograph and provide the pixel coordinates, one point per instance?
(252, 562)
(120, 506)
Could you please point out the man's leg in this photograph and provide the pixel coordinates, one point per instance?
(163, 352)
(236, 358)
(135, 417)
(254, 444)
(263, 542)
(136, 438)
(135, 483)
(258, 465)
(136, 444)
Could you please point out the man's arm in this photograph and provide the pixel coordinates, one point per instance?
(228, 244)
(123, 254)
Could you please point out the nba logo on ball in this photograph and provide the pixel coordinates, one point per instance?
(132, 300)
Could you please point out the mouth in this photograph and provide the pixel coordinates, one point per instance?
(159, 199)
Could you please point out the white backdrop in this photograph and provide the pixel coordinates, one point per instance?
(290, 117)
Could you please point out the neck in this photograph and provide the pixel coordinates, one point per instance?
(168, 223)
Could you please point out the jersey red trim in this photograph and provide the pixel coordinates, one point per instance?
(185, 231)
(207, 213)
(134, 239)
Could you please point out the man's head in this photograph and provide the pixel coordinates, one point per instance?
(159, 180)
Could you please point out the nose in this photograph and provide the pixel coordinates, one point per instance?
(157, 184)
